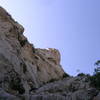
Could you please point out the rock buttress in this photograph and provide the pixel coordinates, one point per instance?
(24, 67)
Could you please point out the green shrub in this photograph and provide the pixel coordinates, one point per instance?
(81, 74)
(16, 84)
(95, 79)
(65, 75)
(52, 80)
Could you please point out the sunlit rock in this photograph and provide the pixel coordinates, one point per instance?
(29, 73)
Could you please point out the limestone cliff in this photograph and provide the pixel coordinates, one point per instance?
(29, 73)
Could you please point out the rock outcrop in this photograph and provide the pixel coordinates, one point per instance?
(29, 73)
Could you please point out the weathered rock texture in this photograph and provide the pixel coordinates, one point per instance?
(29, 73)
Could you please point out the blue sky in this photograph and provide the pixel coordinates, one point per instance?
(72, 26)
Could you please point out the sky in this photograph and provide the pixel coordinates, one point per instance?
(71, 26)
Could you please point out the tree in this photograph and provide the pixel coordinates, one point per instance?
(97, 69)
(95, 79)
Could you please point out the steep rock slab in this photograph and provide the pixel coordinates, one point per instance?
(24, 67)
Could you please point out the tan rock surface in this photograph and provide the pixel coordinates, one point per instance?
(29, 66)
(29, 73)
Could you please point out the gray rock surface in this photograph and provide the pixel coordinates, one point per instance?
(26, 67)
(29, 73)
(97, 97)
(7, 96)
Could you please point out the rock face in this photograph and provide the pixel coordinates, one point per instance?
(29, 73)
